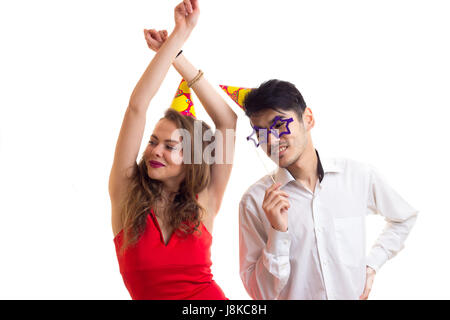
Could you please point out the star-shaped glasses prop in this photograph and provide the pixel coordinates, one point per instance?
(278, 124)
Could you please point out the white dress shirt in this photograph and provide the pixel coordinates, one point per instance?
(322, 255)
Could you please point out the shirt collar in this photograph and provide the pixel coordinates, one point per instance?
(283, 176)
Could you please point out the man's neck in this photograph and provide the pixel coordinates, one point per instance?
(304, 169)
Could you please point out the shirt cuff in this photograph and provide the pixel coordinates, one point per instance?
(276, 256)
(377, 257)
(278, 243)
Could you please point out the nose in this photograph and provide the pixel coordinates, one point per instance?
(157, 150)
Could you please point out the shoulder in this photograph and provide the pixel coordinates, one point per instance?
(350, 172)
(348, 166)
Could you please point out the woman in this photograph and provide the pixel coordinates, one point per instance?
(162, 207)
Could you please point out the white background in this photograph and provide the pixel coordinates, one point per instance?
(374, 73)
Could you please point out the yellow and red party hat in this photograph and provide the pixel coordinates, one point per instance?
(182, 101)
(237, 94)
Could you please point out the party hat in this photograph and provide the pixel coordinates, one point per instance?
(237, 94)
(182, 101)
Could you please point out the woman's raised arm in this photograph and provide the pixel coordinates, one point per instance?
(220, 112)
(133, 125)
(224, 120)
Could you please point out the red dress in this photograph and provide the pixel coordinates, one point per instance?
(180, 270)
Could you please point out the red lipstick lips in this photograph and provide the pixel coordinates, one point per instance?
(156, 164)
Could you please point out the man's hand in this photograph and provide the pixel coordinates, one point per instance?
(370, 276)
(276, 205)
(154, 38)
(186, 15)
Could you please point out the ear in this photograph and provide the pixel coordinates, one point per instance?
(308, 119)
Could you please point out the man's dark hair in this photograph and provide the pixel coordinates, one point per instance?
(277, 95)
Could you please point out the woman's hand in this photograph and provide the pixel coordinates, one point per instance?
(186, 15)
(154, 38)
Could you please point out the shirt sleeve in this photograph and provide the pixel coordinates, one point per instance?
(400, 217)
(264, 258)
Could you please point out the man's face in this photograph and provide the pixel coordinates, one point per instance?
(282, 147)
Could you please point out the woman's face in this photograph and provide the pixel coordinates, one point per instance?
(164, 154)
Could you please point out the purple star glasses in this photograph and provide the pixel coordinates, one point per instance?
(279, 124)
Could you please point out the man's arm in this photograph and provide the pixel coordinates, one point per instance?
(264, 258)
(399, 215)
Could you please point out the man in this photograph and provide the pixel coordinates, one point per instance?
(303, 237)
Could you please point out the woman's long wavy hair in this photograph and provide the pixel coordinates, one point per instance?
(184, 212)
